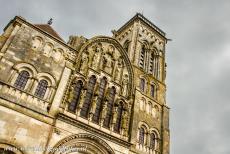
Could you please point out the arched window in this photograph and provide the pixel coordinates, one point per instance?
(142, 104)
(152, 141)
(142, 57)
(151, 63)
(142, 84)
(108, 117)
(152, 90)
(149, 108)
(76, 96)
(117, 125)
(156, 66)
(22, 79)
(100, 100)
(90, 88)
(126, 45)
(141, 136)
(41, 89)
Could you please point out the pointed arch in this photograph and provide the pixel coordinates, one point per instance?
(119, 49)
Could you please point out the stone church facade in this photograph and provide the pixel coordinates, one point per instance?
(104, 95)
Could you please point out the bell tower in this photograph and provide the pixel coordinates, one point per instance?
(145, 44)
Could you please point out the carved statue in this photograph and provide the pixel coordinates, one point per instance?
(82, 96)
(94, 104)
(125, 83)
(124, 120)
(71, 94)
(118, 70)
(84, 63)
(96, 57)
(104, 110)
(114, 115)
(107, 60)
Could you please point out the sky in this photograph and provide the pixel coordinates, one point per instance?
(198, 57)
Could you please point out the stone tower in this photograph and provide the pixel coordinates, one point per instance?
(104, 95)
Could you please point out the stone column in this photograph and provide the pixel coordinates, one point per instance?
(60, 91)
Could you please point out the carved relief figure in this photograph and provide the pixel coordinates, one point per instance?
(71, 94)
(114, 115)
(82, 96)
(84, 63)
(104, 110)
(124, 122)
(125, 83)
(96, 57)
(118, 70)
(107, 60)
(94, 104)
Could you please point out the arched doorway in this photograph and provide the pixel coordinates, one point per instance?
(82, 144)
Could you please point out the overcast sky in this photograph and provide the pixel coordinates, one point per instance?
(198, 58)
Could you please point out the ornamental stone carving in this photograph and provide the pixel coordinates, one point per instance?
(118, 70)
(125, 83)
(82, 96)
(84, 63)
(71, 94)
(96, 56)
(94, 104)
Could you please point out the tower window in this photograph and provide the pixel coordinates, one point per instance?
(41, 88)
(22, 79)
(142, 84)
(85, 108)
(141, 136)
(77, 91)
(126, 45)
(152, 90)
(142, 57)
(100, 100)
(151, 63)
(152, 141)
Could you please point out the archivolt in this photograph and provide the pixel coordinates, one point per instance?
(85, 143)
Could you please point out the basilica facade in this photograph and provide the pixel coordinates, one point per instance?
(103, 95)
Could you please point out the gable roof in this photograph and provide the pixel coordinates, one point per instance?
(139, 16)
(48, 29)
